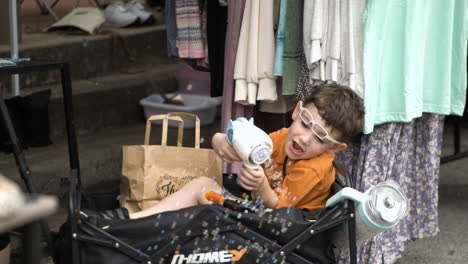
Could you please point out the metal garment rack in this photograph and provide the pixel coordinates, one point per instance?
(457, 153)
(30, 67)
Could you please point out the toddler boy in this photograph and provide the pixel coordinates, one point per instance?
(300, 170)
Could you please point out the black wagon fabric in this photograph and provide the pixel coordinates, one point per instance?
(201, 234)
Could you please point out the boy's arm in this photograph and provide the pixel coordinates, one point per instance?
(266, 195)
(224, 150)
(255, 180)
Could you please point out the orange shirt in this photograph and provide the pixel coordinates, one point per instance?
(307, 184)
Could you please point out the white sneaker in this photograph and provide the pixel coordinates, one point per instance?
(117, 15)
(137, 8)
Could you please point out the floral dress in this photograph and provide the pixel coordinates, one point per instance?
(408, 153)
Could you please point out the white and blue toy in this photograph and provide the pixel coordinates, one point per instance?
(252, 144)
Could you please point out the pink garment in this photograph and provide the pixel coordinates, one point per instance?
(231, 110)
(189, 39)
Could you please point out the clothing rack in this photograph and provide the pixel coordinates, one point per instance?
(457, 153)
(26, 175)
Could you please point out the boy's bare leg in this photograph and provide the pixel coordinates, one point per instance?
(193, 193)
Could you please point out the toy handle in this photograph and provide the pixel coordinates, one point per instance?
(346, 193)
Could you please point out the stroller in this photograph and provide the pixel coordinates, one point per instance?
(201, 234)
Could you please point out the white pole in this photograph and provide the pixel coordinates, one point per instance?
(14, 44)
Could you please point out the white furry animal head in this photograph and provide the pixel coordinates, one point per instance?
(11, 196)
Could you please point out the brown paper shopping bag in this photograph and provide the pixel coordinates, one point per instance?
(151, 172)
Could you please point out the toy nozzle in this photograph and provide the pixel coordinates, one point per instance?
(214, 197)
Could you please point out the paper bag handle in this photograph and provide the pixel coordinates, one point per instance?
(165, 118)
(197, 124)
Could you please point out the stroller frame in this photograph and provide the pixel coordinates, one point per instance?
(340, 214)
(343, 213)
(25, 172)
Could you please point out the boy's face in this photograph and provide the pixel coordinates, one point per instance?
(302, 143)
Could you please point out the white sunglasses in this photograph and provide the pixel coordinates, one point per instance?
(316, 128)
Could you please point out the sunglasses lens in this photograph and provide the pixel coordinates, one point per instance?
(319, 131)
(305, 116)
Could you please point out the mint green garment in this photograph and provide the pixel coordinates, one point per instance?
(414, 59)
(292, 46)
(280, 39)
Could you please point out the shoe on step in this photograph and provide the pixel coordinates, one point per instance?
(118, 16)
(137, 8)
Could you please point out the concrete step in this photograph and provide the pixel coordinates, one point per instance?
(110, 101)
(107, 86)
(90, 56)
(107, 101)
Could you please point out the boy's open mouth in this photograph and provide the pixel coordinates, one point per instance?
(297, 148)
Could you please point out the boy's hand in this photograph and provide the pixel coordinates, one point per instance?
(224, 150)
(251, 179)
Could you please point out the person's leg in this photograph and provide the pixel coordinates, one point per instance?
(5, 255)
(193, 193)
(4, 248)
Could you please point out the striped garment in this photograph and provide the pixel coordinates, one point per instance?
(189, 29)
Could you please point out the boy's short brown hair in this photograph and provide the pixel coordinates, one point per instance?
(340, 107)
